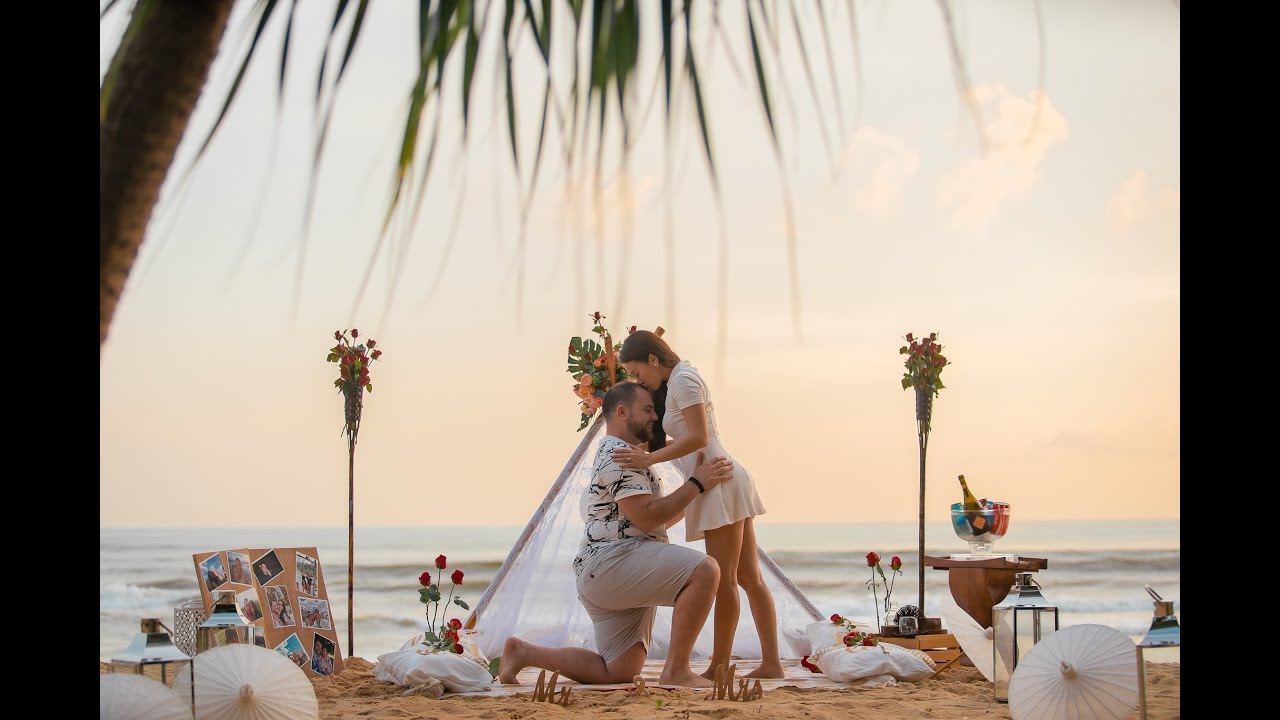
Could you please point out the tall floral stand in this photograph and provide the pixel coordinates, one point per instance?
(924, 411)
(353, 404)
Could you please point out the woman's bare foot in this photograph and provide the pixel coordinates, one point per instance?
(710, 673)
(768, 670)
(683, 678)
(513, 661)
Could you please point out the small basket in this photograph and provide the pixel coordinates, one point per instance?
(186, 618)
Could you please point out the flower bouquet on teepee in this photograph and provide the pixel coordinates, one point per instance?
(595, 367)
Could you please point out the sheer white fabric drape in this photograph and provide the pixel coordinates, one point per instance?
(533, 597)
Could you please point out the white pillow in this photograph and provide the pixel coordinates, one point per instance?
(408, 668)
(824, 634)
(864, 661)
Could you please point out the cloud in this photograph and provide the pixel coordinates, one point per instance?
(1020, 132)
(579, 207)
(883, 166)
(1136, 201)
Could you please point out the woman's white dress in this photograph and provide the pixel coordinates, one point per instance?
(728, 502)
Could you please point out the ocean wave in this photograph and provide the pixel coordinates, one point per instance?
(117, 596)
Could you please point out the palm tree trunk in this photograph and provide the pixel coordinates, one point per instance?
(161, 72)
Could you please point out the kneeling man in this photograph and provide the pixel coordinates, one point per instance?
(626, 568)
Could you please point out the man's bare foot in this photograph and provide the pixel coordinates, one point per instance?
(768, 670)
(683, 678)
(513, 661)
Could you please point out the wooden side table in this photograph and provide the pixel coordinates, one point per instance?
(977, 585)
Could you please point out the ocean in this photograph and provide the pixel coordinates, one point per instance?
(1096, 571)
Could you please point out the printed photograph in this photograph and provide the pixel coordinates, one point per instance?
(307, 573)
(292, 649)
(315, 613)
(267, 567)
(232, 636)
(323, 651)
(279, 608)
(249, 605)
(212, 572)
(239, 568)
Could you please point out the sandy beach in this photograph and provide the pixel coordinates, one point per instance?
(958, 693)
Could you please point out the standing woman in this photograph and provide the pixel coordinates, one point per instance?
(722, 516)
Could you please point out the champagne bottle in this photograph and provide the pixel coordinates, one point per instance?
(973, 510)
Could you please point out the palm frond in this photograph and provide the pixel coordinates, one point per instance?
(141, 14)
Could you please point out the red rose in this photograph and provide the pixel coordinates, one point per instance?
(424, 579)
(804, 662)
(596, 315)
(896, 563)
(451, 635)
(457, 648)
(456, 577)
(377, 354)
(355, 333)
(456, 624)
(570, 349)
(337, 335)
(908, 337)
(872, 560)
(836, 619)
(441, 562)
(372, 344)
(633, 329)
(868, 642)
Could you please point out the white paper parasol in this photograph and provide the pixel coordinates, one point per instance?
(974, 639)
(246, 682)
(1084, 672)
(133, 697)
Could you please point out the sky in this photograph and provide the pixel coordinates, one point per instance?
(1047, 261)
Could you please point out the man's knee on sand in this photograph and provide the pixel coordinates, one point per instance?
(626, 666)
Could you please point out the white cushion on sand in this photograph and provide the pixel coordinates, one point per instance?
(408, 668)
(864, 661)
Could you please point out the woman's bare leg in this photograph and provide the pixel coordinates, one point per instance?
(761, 602)
(725, 545)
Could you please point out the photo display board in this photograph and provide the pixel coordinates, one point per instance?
(281, 591)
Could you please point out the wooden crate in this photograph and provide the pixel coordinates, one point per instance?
(942, 648)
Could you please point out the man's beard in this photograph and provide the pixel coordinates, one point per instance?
(640, 431)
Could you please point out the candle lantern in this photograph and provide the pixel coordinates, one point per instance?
(1162, 643)
(1018, 622)
(151, 646)
(226, 625)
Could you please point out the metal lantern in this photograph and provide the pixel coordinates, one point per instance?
(1161, 644)
(1019, 621)
(152, 646)
(226, 625)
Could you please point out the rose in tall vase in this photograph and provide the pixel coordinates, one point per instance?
(353, 382)
(924, 365)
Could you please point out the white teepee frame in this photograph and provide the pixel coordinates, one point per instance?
(534, 598)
